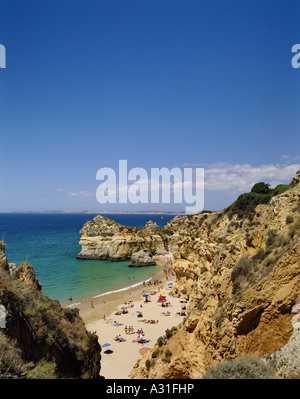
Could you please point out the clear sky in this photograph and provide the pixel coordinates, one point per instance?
(160, 83)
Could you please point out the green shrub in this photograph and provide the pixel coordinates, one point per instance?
(155, 354)
(168, 353)
(240, 368)
(169, 333)
(281, 188)
(281, 241)
(261, 188)
(261, 193)
(267, 261)
(251, 278)
(246, 203)
(260, 255)
(294, 228)
(242, 267)
(148, 364)
(199, 305)
(43, 370)
(10, 356)
(218, 321)
(271, 237)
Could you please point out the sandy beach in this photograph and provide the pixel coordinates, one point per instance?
(100, 317)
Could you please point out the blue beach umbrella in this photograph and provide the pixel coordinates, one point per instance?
(105, 345)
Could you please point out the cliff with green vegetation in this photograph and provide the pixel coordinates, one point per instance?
(240, 270)
(39, 338)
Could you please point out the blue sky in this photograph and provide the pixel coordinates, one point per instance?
(158, 83)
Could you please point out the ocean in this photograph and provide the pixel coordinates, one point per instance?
(50, 243)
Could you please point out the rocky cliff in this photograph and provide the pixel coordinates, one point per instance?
(105, 239)
(240, 270)
(39, 338)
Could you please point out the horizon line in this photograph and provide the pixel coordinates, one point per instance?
(156, 212)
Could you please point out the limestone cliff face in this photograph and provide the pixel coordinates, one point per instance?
(105, 239)
(242, 278)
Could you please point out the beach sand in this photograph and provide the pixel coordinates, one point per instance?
(99, 317)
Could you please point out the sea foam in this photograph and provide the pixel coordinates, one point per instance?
(124, 289)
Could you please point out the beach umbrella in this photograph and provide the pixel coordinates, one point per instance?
(140, 336)
(162, 293)
(170, 284)
(145, 295)
(105, 345)
(162, 299)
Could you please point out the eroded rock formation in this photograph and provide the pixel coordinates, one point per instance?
(242, 277)
(105, 239)
(141, 258)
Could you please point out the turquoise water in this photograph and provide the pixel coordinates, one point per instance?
(49, 242)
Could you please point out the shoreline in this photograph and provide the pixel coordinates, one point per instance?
(100, 317)
(95, 307)
(82, 301)
(89, 305)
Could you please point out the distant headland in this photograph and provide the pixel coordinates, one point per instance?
(107, 212)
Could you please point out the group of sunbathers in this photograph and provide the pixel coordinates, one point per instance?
(129, 330)
(130, 303)
(118, 338)
(149, 321)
